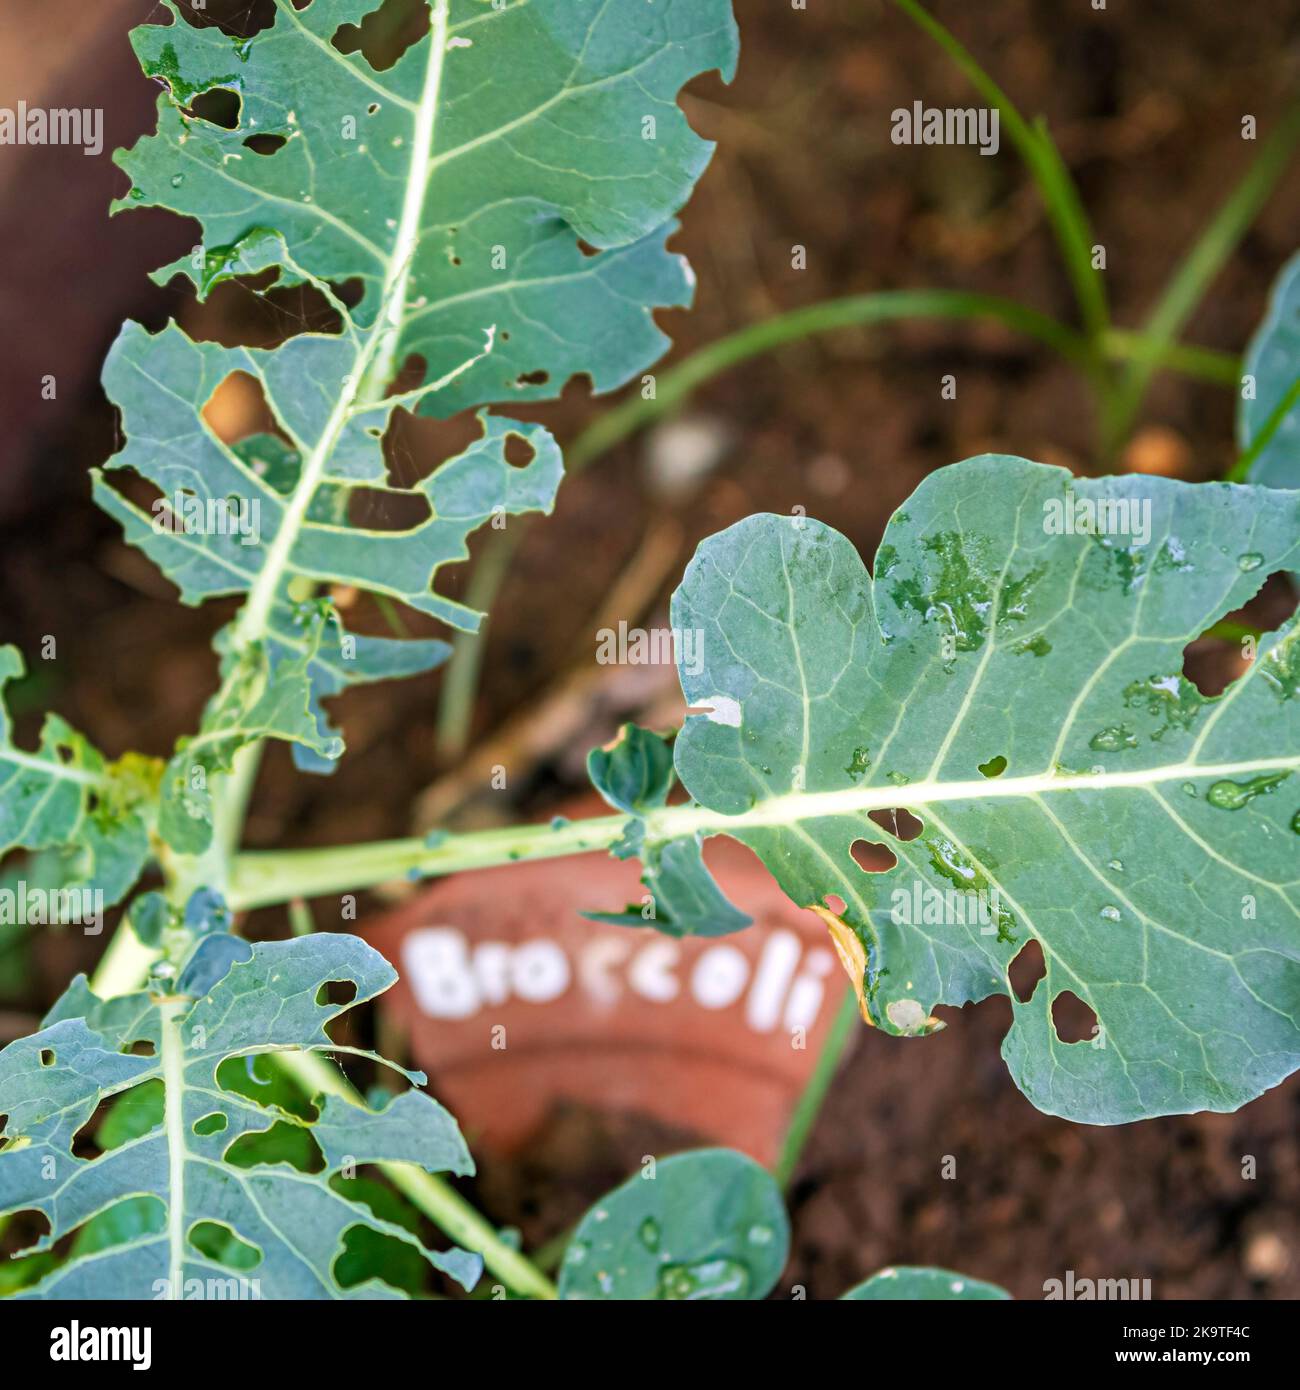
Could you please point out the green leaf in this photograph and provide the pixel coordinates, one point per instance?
(462, 190)
(916, 1283)
(470, 171)
(65, 797)
(259, 697)
(703, 1225)
(220, 526)
(202, 1208)
(1268, 424)
(635, 774)
(170, 444)
(1019, 688)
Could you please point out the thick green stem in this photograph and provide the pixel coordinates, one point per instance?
(267, 877)
(278, 876)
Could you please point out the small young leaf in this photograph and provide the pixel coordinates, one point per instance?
(916, 1283)
(709, 1224)
(635, 774)
(281, 1225)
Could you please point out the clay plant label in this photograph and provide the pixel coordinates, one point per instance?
(514, 1002)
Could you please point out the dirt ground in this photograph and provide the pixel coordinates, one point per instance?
(1146, 104)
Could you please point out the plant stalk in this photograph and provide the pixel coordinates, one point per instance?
(277, 876)
(844, 1028)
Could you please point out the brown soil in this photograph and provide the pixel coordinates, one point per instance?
(1146, 104)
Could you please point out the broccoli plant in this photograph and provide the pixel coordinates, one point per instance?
(484, 219)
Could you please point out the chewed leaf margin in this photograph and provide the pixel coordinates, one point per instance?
(994, 636)
(248, 1001)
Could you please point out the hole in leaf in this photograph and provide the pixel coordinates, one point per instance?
(255, 310)
(385, 33)
(336, 992)
(47, 1056)
(141, 1047)
(212, 1123)
(899, 821)
(537, 378)
(1072, 1019)
(411, 373)
(1026, 970)
(995, 767)
(238, 410)
(1223, 653)
(871, 857)
(219, 107)
(282, 1143)
(28, 1226)
(519, 451)
(257, 1079)
(266, 143)
(416, 446)
(366, 1251)
(219, 1242)
(119, 1119)
(587, 248)
(240, 19)
(380, 509)
(836, 904)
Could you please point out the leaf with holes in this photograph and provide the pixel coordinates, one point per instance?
(1012, 676)
(706, 1225)
(1268, 417)
(91, 816)
(221, 524)
(473, 175)
(192, 1212)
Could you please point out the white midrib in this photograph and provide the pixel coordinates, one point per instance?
(398, 274)
(51, 767)
(374, 362)
(793, 807)
(173, 1070)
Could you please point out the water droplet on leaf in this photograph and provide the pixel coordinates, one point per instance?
(707, 1279)
(1232, 796)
